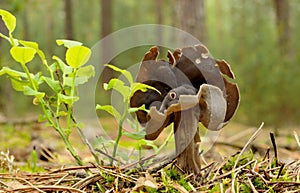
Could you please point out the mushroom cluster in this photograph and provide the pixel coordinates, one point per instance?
(194, 87)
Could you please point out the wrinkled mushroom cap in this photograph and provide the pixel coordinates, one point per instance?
(187, 67)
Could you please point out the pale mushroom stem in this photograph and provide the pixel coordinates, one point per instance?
(187, 140)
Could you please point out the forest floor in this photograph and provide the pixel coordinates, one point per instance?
(243, 159)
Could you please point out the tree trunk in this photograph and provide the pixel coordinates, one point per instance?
(68, 20)
(26, 23)
(106, 17)
(191, 17)
(106, 29)
(50, 27)
(282, 23)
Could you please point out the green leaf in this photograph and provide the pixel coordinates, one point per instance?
(109, 109)
(9, 20)
(53, 84)
(42, 117)
(62, 66)
(142, 142)
(86, 71)
(100, 140)
(30, 92)
(19, 84)
(19, 79)
(136, 135)
(142, 87)
(126, 73)
(68, 43)
(135, 109)
(68, 81)
(67, 99)
(37, 79)
(77, 56)
(53, 67)
(62, 114)
(13, 73)
(67, 131)
(35, 46)
(22, 55)
(33, 160)
(119, 86)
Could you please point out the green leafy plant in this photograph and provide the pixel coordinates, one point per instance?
(62, 80)
(32, 162)
(127, 92)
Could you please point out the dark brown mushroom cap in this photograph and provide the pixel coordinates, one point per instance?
(190, 66)
(212, 109)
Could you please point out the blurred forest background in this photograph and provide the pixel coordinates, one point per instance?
(258, 38)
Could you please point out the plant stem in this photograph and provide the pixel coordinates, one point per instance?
(47, 67)
(11, 39)
(5, 37)
(70, 107)
(120, 132)
(29, 77)
(55, 124)
(85, 140)
(68, 145)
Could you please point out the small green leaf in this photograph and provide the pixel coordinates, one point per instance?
(67, 99)
(86, 71)
(18, 79)
(13, 73)
(67, 131)
(42, 117)
(30, 44)
(68, 81)
(53, 67)
(53, 84)
(148, 143)
(136, 135)
(18, 84)
(119, 86)
(22, 55)
(142, 87)
(126, 73)
(37, 79)
(68, 43)
(109, 109)
(100, 140)
(62, 66)
(33, 160)
(135, 109)
(35, 46)
(9, 20)
(62, 114)
(77, 56)
(30, 92)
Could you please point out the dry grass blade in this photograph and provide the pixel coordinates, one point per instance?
(88, 180)
(230, 172)
(48, 188)
(179, 188)
(297, 138)
(252, 138)
(252, 186)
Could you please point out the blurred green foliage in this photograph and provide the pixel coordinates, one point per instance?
(240, 31)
